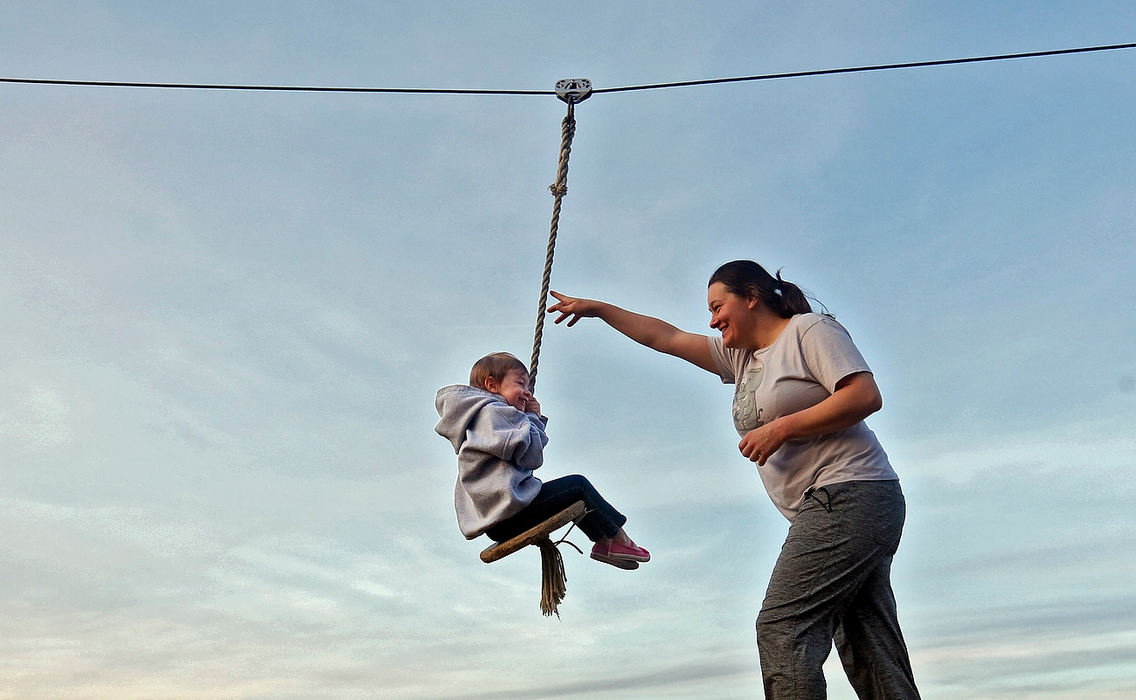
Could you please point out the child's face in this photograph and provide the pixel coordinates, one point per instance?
(514, 388)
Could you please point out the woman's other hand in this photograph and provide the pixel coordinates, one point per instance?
(759, 443)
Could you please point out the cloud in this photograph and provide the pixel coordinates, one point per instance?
(40, 421)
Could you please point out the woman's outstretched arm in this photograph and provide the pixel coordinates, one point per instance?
(647, 330)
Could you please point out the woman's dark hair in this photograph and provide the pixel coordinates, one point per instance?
(746, 278)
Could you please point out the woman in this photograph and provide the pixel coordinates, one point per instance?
(802, 393)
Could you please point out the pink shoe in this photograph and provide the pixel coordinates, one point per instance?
(621, 555)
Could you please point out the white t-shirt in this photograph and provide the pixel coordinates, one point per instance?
(800, 369)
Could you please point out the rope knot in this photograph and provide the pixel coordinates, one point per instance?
(557, 189)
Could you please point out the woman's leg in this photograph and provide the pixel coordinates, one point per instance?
(868, 638)
(871, 645)
(842, 535)
(602, 520)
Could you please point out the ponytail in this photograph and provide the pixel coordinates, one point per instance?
(746, 278)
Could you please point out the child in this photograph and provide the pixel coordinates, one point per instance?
(497, 430)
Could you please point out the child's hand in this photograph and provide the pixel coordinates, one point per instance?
(532, 405)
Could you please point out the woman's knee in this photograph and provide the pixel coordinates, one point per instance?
(771, 630)
(779, 634)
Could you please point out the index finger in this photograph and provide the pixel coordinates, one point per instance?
(560, 300)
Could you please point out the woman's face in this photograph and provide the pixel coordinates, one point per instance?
(730, 315)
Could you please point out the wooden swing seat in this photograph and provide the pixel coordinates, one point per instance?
(534, 534)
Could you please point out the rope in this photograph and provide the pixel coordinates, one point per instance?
(553, 580)
(564, 539)
(558, 189)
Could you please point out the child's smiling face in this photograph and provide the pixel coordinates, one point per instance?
(513, 387)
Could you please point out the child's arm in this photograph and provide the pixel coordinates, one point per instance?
(506, 433)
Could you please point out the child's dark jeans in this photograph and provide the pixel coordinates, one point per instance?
(602, 520)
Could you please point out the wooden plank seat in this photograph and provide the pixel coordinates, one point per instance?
(534, 534)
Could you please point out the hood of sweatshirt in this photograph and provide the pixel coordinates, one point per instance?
(457, 405)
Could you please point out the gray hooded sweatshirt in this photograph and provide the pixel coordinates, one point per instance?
(498, 448)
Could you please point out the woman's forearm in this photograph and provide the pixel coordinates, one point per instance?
(856, 397)
(854, 400)
(653, 332)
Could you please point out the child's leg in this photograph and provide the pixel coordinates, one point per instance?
(602, 523)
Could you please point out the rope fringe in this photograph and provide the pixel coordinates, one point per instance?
(553, 586)
(553, 579)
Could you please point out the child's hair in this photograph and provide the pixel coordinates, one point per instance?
(495, 365)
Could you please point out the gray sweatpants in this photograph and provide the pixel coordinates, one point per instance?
(833, 581)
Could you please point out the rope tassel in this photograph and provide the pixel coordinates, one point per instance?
(553, 579)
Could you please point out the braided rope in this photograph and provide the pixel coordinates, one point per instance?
(558, 189)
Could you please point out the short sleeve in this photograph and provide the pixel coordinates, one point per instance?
(830, 354)
(726, 363)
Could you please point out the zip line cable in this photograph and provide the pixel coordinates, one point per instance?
(466, 91)
(866, 69)
(269, 88)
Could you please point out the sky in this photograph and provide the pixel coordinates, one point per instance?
(226, 314)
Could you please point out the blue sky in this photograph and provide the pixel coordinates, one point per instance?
(226, 315)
